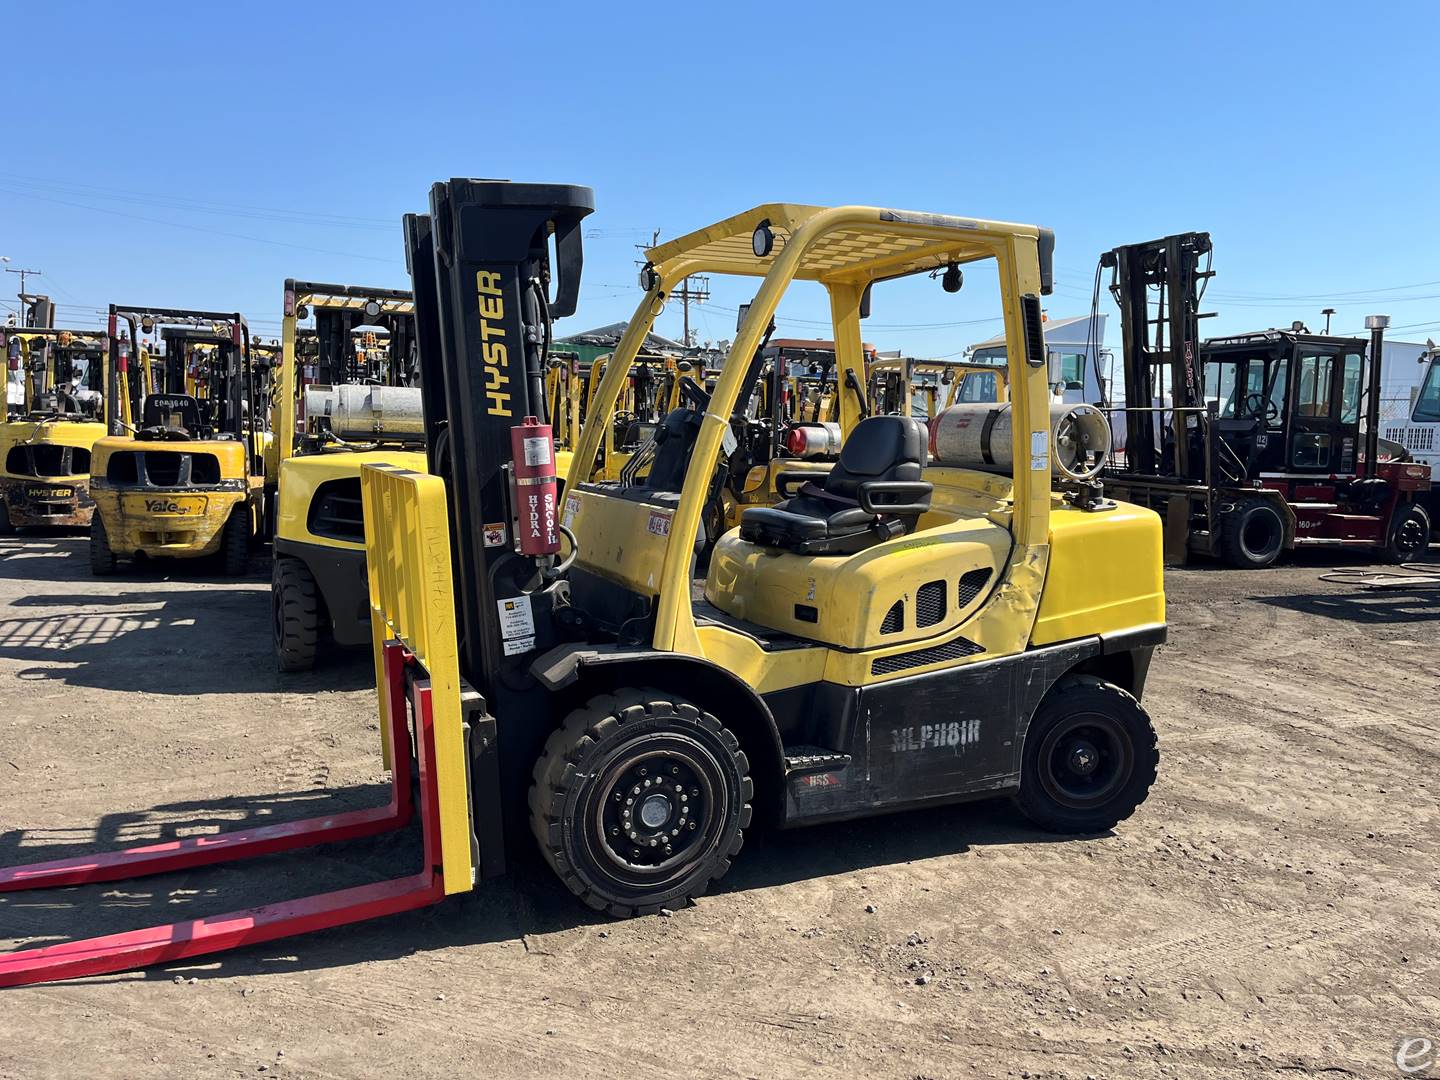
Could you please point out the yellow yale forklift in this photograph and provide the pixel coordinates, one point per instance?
(344, 396)
(45, 443)
(890, 636)
(189, 480)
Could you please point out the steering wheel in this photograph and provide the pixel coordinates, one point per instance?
(692, 391)
(1258, 403)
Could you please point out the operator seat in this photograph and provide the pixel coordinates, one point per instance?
(873, 493)
(172, 417)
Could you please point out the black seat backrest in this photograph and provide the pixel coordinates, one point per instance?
(173, 412)
(674, 438)
(879, 448)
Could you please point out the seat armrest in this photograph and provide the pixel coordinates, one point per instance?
(918, 490)
(797, 477)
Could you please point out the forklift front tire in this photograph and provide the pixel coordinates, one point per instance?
(1090, 757)
(295, 605)
(235, 543)
(1252, 535)
(6, 529)
(1409, 535)
(640, 801)
(102, 559)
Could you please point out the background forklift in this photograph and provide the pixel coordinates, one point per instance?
(45, 444)
(344, 396)
(904, 386)
(905, 637)
(190, 481)
(1255, 443)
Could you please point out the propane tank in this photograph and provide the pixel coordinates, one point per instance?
(978, 436)
(813, 440)
(366, 412)
(532, 449)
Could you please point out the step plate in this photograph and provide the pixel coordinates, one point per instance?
(808, 759)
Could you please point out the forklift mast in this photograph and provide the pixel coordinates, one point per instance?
(1158, 286)
(481, 265)
(338, 359)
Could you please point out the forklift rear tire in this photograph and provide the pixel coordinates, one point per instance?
(1409, 536)
(235, 543)
(640, 801)
(6, 529)
(1090, 757)
(295, 605)
(1252, 535)
(102, 559)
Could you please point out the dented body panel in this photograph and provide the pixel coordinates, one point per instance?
(171, 498)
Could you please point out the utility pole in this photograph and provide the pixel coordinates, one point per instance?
(695, 289)
(22, 273)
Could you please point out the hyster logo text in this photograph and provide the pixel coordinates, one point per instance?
(492, 311)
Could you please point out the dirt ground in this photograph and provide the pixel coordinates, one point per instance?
(1274, 909)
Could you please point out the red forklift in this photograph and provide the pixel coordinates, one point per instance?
(1258, 443)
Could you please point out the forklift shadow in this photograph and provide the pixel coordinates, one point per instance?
(1372, 607)
(49, 559)
(784, 857)
(56, 555)
(178, 642)
(522, 907)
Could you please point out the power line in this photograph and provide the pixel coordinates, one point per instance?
(201, 228)
(171, 202)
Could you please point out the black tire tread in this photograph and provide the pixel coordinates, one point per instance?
(102, 557)
(1232, 546)
(235, 542)
(1147, 758)
(293, 587)
(1394, 555)
(555, 770)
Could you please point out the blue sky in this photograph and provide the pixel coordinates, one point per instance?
(196, 155)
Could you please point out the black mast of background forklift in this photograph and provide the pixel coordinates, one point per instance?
(1167, 358)
(481, 264)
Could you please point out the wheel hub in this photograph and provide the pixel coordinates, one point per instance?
(655, 812)
(1084, 761)
(1083, 758)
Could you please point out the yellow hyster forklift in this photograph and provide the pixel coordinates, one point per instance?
(46, 439)
(189, 480)
(890, 636)
(344, 396)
